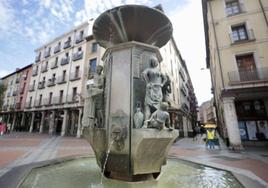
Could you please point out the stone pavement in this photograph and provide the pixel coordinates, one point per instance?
(23, 148)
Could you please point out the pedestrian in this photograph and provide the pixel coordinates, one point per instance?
(196, 132)
(210, 138)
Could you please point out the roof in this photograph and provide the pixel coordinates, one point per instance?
(19, 70)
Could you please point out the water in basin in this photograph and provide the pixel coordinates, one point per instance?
(84, 173)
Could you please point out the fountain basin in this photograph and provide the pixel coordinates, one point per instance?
(132, 23)
(83, 172)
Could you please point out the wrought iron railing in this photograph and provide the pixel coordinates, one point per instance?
(255, 75)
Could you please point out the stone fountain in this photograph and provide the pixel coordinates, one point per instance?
(125, 119)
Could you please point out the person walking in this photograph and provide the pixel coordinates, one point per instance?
(196, 132)
(210, 138)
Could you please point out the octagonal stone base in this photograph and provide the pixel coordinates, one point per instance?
(147, 154)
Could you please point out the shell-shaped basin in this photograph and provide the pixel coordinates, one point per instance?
(132, 23)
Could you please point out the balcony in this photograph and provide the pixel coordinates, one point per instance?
(75, 76)
(185, 107)
(38, 58)
(28, 105)
(182, 74)
(51, 82)
(44, 68)
(238, 39)
(54, 64)
(79, 38)
(15, 93)
(18, 106)
(248, 76)
(4, 107)
(58, 100)
(73, 98)
(183, 90)
(38, 103)
(18, 80)
(57, 49)
(22, 90)
(31, 87)
(41, 85)
(12, 107)
(61, 79)
(67, 44)
(35, 71)
(9, 94)
(64, 60)
(47, 53)
(78, 55)
(48, 102)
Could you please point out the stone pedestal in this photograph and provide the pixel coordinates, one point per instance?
(231, 123)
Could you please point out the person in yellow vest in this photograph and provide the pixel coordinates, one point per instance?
(210, 138)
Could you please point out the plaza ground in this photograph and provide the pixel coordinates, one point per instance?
(22, 148)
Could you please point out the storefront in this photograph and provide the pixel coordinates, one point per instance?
(253, 120)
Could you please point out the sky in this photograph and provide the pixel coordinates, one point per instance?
(26, 25)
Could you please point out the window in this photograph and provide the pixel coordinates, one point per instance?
(63, 75)
(40, 100)
(246, 67)
(93, 65)
(74, 94)
(61, 96)
(50, 98)
(239, 33)
(94, 47)
(77, 71)
(232, 7)
(30, 102)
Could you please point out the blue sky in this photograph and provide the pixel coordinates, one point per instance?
(27, 24)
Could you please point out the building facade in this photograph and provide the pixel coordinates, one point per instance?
(182, 98)
(14, 101)
(236, 33)
(207, 112)
(56, 92)
(57, 85)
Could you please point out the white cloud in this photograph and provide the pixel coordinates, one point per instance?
(189, 35)
(45, 3)
(6, 15)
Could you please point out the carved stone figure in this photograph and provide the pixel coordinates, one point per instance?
(154, 80)
(166, 89)
(160, 118)
(95, 99)
(138, 118)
